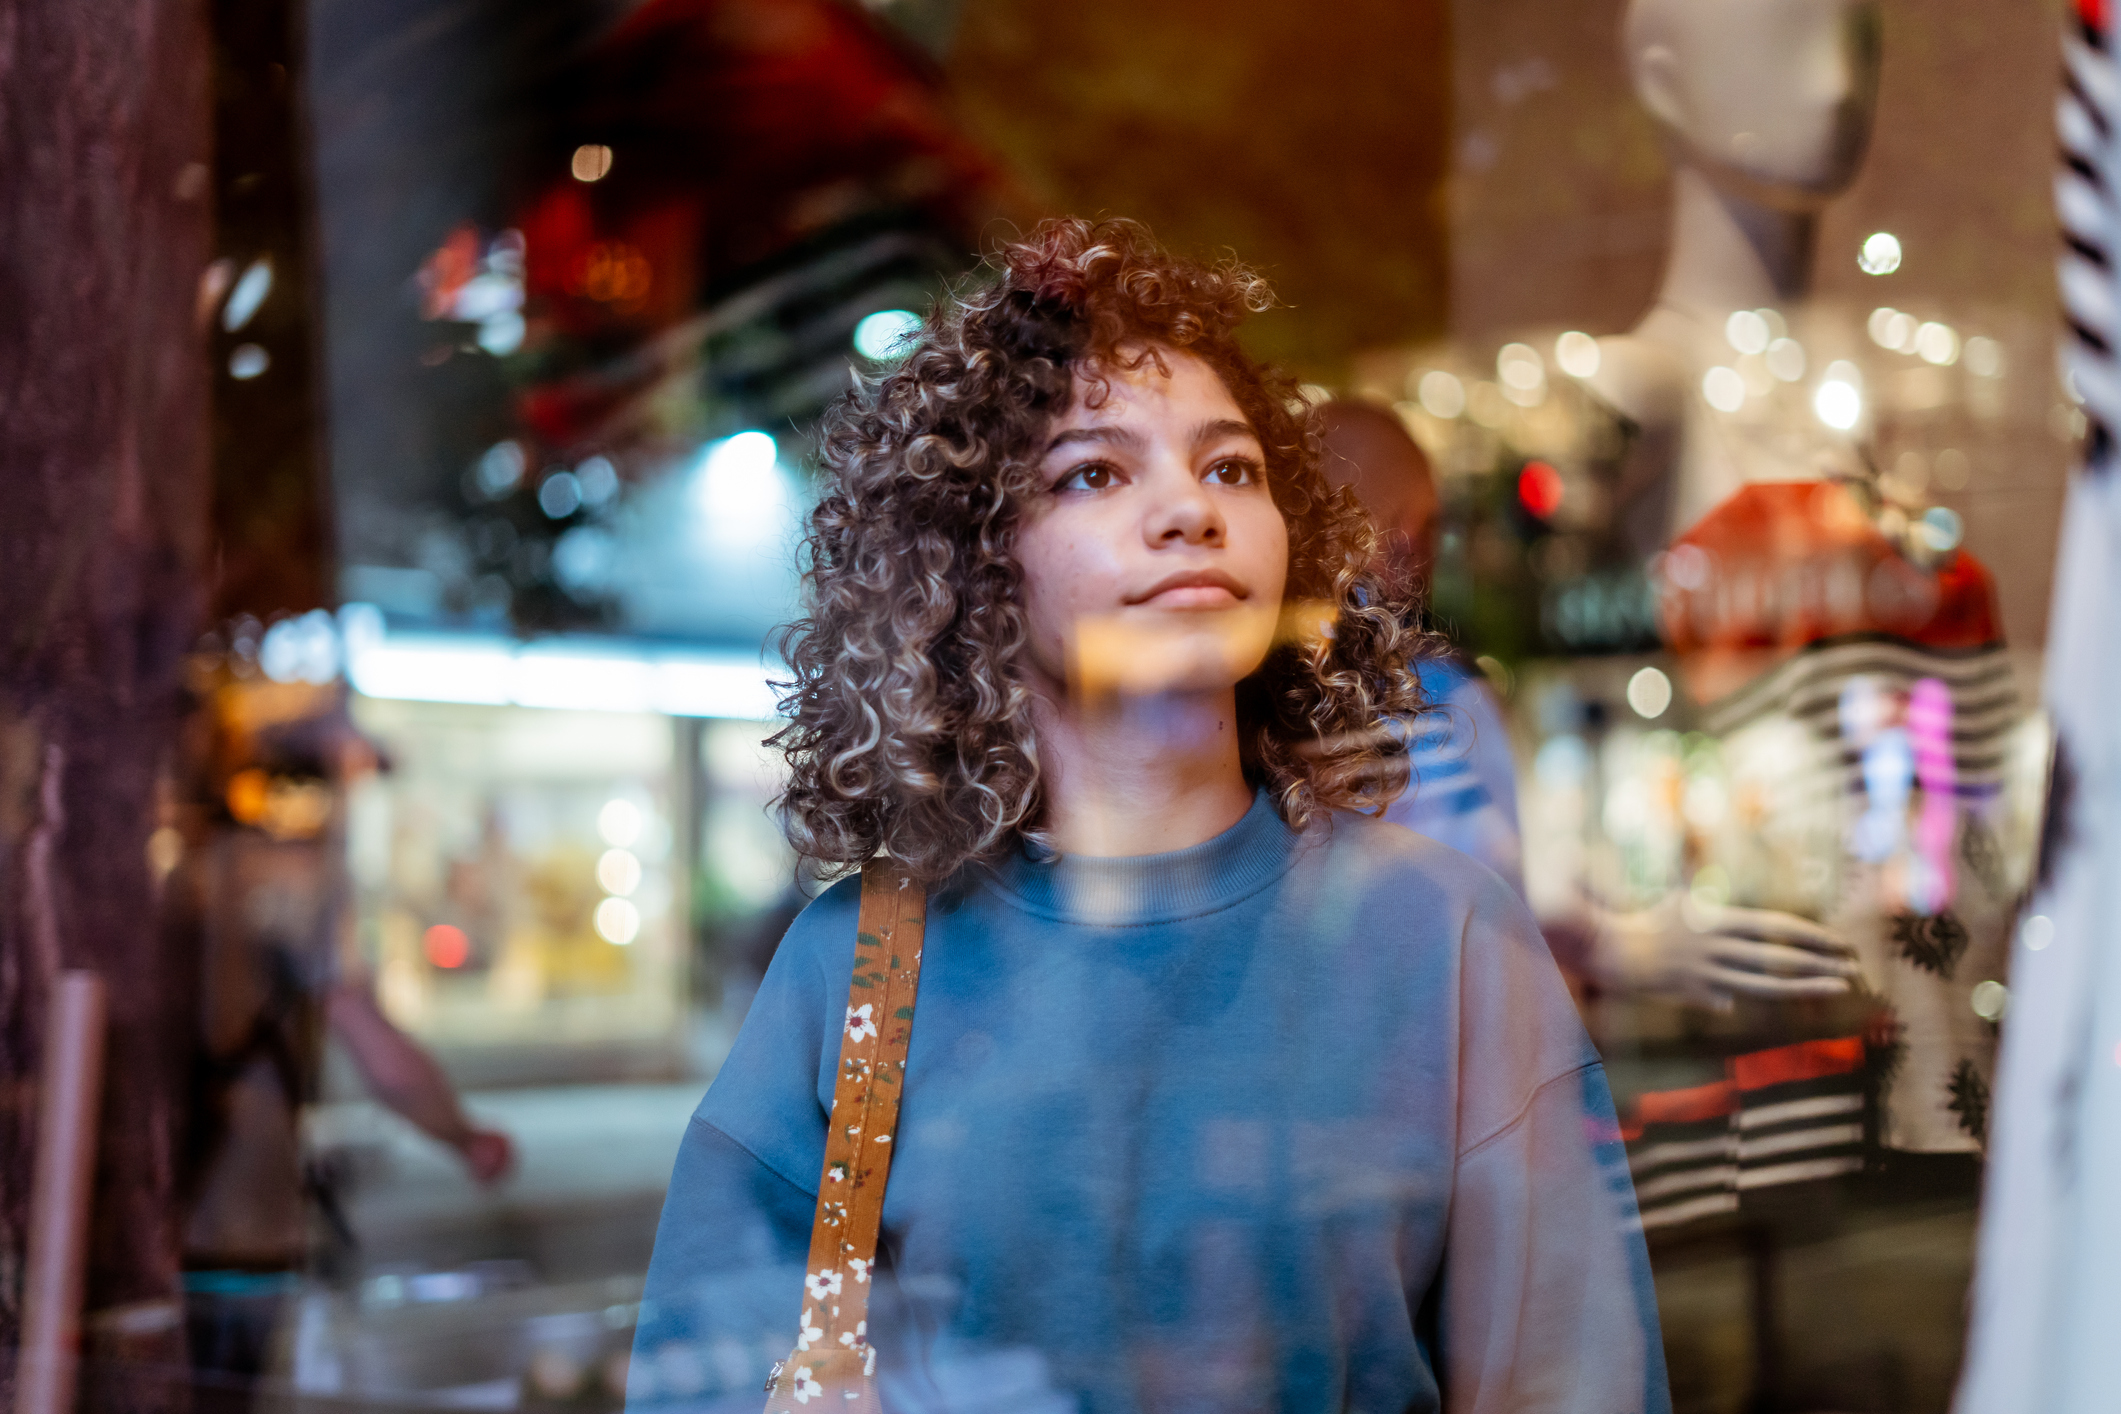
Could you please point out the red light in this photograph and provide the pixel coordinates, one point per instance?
(447, 946)
(1539, 489)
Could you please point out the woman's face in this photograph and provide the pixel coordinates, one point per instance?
(1156, 559)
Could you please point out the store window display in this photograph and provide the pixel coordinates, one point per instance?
(1780, 782)
(1845, 651)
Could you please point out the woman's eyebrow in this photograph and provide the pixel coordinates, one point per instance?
(1216, 429)
(1108, 434)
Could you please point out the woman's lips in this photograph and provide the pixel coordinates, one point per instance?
(1193, 596)
(1194, 589)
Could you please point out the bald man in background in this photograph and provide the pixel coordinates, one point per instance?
(1464, 787)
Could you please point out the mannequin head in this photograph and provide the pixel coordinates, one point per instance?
(1772, 96)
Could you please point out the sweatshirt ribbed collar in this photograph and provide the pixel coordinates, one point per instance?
(1137, 890)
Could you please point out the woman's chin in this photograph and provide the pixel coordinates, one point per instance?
(1151, 654)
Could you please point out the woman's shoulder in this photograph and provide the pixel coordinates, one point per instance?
(1513, 1008)
(823, 932)
(1402, 866)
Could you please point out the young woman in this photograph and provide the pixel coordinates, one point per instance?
(1221, 1095)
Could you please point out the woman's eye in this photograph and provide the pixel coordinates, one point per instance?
(1094, 477)
(1234, 471)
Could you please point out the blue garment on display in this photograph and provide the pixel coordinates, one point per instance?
(1463, 792)
(1300, 1121)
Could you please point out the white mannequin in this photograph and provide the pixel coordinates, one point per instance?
(1766, 108)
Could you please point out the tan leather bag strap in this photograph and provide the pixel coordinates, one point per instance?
(833, 1365)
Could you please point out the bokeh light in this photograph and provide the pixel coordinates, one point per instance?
(1984, 357)
(1839, 398)
(1785, 360)
(617, 921)
(304, 648)
(591, 162)
(1941, 529)
(1937, 343)
(1880, 254)
(1747, 331)
(500, 470)
(446, 946)
(1649, 692)
(1539, 489)
(882, 336)
(249, 293)
(1723, 388)
(1577, 353)
(597, 479)
(1441, 394)
(502, 332)
(619, 823)
(1522, 373)
(560, 495)
(741, 492)
(619, 871)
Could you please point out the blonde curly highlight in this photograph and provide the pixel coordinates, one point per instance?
(910, 711)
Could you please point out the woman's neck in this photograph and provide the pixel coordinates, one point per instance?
(1731, 252)
(1141, 775)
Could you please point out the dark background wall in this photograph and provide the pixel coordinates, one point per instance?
(1311, 139)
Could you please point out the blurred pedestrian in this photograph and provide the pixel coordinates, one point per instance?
(260, 889)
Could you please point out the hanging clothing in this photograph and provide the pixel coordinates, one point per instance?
(1869, 723)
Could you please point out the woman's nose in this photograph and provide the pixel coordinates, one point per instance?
(1187, 515)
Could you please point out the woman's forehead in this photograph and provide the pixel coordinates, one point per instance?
(1149, 384)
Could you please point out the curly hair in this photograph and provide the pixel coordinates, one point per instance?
(910, 711)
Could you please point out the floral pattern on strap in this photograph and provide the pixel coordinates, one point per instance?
(859, 1025)
(834, 1359)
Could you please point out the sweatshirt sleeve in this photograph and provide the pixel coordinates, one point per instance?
(725, 1283)
(1547, 1300)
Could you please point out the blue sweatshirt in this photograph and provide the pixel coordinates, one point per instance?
(1283, 1121)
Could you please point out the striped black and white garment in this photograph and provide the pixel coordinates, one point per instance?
(1800, 1113)
(1794, 1114)
(1683, 1155)
(2045, 1295)
(1924, 961)
(1986, 708)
